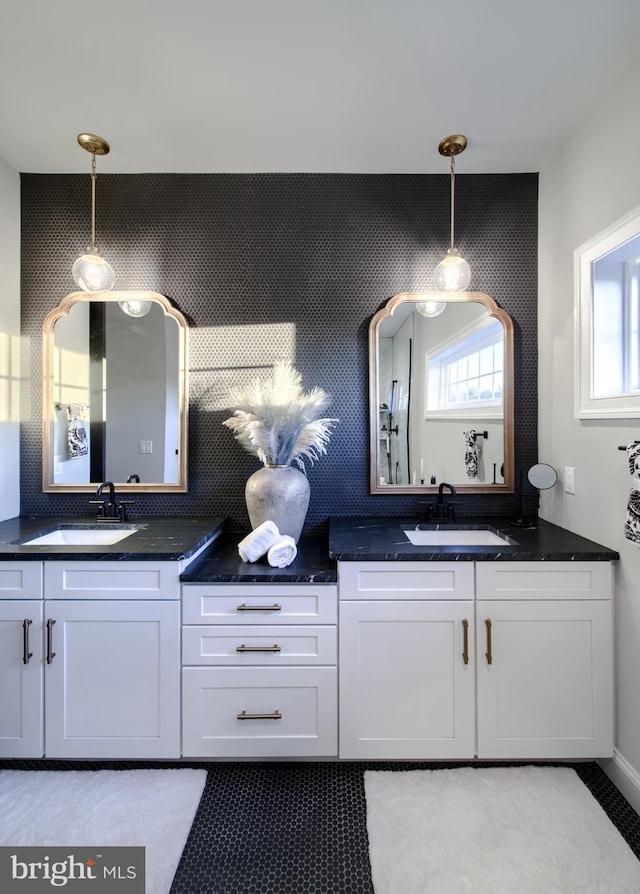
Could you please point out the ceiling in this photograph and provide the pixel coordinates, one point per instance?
(337, 86)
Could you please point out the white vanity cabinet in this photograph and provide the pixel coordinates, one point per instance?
(406, 658)
(103, 679)
(112, 655)
(545, 659)
(460, 660)
(259, 674)
(21, 669)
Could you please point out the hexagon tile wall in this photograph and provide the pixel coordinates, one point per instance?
(282, 266)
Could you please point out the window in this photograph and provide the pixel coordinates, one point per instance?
(607, 272)
(465, 376)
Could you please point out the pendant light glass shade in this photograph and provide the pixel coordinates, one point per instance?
(91, 272)
(452, 274)
(430, 308)
(135, 308)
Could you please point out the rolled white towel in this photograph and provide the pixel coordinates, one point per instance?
(259, 541)
(283, 552)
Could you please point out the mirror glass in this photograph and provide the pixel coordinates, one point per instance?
(441, 394)
(115, 393)
(542, 476)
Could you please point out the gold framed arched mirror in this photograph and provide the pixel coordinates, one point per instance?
(115, 393)
(441, 394)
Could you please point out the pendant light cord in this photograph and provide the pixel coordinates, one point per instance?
(453, 196)
(93, 199)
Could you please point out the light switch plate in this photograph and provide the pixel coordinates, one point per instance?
(569, 480)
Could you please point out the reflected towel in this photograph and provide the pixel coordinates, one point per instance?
(283, 552)
(259, 541)
(471, 453)
(77, 435)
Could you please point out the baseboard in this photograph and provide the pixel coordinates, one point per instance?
(625, 778)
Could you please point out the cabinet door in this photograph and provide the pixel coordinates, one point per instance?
(112, 679)
(548, 691)
(21, 689)
(407, 682)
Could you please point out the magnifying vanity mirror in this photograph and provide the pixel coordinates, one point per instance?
(441, 394)
(115, 393)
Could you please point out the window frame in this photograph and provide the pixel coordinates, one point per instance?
(586, 406)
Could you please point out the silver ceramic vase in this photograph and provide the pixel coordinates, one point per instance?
(280, 494)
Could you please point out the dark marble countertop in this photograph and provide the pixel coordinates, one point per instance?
(156, 538)
(382, 539)
(220, 563)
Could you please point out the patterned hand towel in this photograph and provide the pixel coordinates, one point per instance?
(471, 453)
(77, 437)
(632, 523)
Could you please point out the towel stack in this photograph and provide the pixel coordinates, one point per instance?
(266, 539)
(632, 523)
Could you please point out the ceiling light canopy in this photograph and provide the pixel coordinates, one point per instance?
(452, 274)
(91, 272)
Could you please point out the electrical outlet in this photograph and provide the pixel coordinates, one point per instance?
(569, 480)
(146, 447)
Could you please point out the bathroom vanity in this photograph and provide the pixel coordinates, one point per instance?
(90, 639)
(369, 647)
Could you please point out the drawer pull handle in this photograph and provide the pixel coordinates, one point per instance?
(488, 653)
(259, 608)
(243, 648)
(26, 654)
(465, 638)
(275, 716)
(50, 653)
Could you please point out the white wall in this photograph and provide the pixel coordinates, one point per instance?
(587, 186)
(9, 341)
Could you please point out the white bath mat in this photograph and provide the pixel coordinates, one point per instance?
(149, 808)
(518, 830)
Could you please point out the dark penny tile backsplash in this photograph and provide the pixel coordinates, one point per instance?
(283, 266)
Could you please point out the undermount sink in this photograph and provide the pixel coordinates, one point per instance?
(457, 535)
(67, 535)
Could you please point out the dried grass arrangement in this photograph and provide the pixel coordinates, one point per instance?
(279, 422)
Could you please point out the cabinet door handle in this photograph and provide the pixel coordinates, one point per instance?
(275, 716)
(259, 608)
(465, 641)
(243, 648)
(50, 654)
(488, 653)
(26, 654)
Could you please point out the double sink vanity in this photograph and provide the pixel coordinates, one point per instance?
(389, 639)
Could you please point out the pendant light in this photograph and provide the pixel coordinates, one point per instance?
(430, 308)
(452, 274)
(134, 308)
(90, 271)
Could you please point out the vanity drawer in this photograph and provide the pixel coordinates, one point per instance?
(20, 580)
(112, 580)
(240, 646)
(406, 580)
(258, 605)
(544, 580)
(259, 712)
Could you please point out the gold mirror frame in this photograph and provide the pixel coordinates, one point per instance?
(48, 399)
(507, 485)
